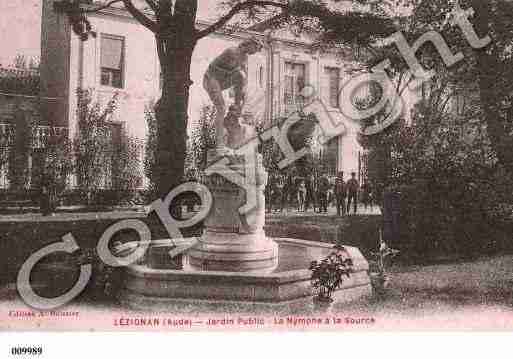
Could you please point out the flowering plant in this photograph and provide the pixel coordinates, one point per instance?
(384, 252)
(379, 277)
(327, 275)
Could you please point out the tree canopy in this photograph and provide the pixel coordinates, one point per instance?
(174, 24)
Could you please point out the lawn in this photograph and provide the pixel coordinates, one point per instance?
(459, 294)
(466, 295)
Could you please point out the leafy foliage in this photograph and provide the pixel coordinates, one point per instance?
(6, 140)
(126, 173)
(176, 35)
(57, 166)
(300, 136)
(93, 143)
(102, 160)
(19, 174)
(330, 22)
(202, 139)
(328, 274)
(452, 167)
(58, 161)
(23, 62)
(382, 256)
(150, 152)
(452, 187)
(487, 71)
(19, 81)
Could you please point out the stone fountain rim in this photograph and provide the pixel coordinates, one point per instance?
(143, 271)
(189, 240)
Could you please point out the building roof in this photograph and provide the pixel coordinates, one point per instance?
(232, 31)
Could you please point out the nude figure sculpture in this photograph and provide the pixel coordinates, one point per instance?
(229, 71)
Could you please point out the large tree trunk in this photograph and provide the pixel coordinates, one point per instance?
(172, 113)
(175, 44)
(489, 74)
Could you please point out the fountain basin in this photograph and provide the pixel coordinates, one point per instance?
(288, 281)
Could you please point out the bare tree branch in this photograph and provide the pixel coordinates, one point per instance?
(153, 5)
(140, 17)
(270, 23)
(234, 11)
(102, 7)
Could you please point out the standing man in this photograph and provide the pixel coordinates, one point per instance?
(268, 193)
(324, 186)
(301, 196)
(340, 193)
(313, 192)
(281, 196)
(288, 191)
(352, 192)
(229, 70)
(366, 195)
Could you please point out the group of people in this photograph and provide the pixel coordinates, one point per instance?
(229, 71)
(315, 192)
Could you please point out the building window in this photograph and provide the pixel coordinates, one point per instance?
(261, 76)
(460, 101)
(295, 80)
(112, 61)
(332, 75)
(329, 156)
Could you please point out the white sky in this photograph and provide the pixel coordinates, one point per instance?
(20, 26)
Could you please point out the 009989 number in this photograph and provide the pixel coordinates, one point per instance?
(27, 350)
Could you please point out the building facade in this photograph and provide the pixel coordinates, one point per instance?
(122, 59)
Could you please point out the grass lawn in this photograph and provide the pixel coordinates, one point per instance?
(467, 295)
(462, 295)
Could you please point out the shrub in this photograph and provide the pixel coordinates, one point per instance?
(151, 150)
(57, 166)
(454, 193)
(328, 274)
(93, 144)
(19, 176)
(126, 173)
(102, 162)
(203, 138)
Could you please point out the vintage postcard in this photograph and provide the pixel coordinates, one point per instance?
(236, 165)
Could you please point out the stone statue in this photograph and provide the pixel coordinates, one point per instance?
(237, 133)
(229, 71)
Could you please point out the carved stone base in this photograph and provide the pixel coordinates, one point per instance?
(234, 240)
(231, 252)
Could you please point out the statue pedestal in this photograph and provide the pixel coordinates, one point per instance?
(233, 241)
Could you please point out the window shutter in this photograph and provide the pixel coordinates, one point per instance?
(331, 86)
(289, 89)
(300, 72)
(334, 87)
(325, 86)
(111, 53)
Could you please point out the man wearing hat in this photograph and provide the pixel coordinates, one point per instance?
(340, 193)
(229, 71)
(352, 192)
